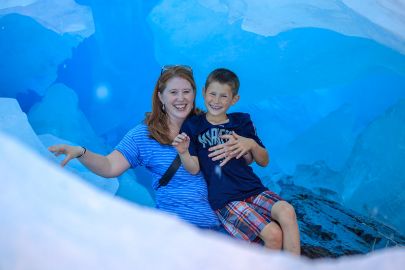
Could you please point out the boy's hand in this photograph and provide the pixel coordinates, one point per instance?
(242, 145)
(221, 151)
(181, 143)
(236, 146)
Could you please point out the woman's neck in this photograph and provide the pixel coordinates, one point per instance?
(174, 127)
(217, 119)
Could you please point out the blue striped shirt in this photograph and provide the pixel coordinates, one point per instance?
(185, 195)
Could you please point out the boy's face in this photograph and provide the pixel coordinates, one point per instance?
(218, 98)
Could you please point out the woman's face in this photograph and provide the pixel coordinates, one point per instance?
(177, 97)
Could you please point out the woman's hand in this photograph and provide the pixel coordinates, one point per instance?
(71, 152)
(236, 146)
(181, 142)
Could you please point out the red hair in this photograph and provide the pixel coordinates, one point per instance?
(157, 120)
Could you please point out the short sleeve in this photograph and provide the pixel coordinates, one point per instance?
(129, 147)
(248, 130)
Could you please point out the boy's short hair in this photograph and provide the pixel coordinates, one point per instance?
(224, 76)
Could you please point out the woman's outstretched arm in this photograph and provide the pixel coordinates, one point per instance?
(109, 166)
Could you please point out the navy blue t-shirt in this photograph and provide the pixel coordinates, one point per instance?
(235, 181)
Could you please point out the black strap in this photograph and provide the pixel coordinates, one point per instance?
(170, 172)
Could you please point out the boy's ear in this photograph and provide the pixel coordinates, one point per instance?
(235, 99)
(203, 91)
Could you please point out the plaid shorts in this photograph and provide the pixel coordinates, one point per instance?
(246, 219)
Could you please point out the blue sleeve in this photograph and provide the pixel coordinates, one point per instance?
(187, 128)
(248, 130)
(129, 147)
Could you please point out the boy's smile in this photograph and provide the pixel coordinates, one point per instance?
(218, 98)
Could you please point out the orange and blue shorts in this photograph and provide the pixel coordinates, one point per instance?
(246, 219)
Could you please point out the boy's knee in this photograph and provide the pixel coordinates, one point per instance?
(272, 235)
(284, 212)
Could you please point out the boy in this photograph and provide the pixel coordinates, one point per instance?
(245, 207)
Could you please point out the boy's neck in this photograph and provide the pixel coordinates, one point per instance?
(217, 119)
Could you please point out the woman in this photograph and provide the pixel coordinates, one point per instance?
(149, 145)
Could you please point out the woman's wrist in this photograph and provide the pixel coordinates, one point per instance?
(84, 150)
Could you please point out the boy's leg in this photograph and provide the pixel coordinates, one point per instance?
(242, 221)
(270, 204)
(284, 213)
(272, 236)
(272, 233)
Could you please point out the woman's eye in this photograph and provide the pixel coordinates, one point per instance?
(224, 96)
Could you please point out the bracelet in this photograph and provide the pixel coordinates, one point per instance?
(84, 152)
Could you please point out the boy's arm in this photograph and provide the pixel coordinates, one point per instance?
(253, 142)
(259, 153)
(248, 158)
(245, 145)
(190, 163)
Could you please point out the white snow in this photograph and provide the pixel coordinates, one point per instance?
(51, 220)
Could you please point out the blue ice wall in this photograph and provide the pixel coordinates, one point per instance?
(324, 81)
(114, 70)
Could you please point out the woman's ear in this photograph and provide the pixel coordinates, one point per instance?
(160, 97)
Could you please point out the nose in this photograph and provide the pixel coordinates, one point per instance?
(181, 95)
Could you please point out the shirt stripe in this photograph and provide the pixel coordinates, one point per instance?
(185, 195)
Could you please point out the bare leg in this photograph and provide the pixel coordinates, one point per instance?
(272, 236)
(284, 213)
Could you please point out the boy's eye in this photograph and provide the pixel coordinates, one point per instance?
(213, 94)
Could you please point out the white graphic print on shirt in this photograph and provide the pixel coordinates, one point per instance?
(212, 137)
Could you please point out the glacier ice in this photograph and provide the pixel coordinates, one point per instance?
(320, 141)
(66, 121)
(320, 179)
(118, 57)
(30, 55)
(109, 185)
(14, 122)
(51, 220)
(374, 178)
(382, 21)
(15, 3)
(62, 16)
(387, 14)
(282, 64)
